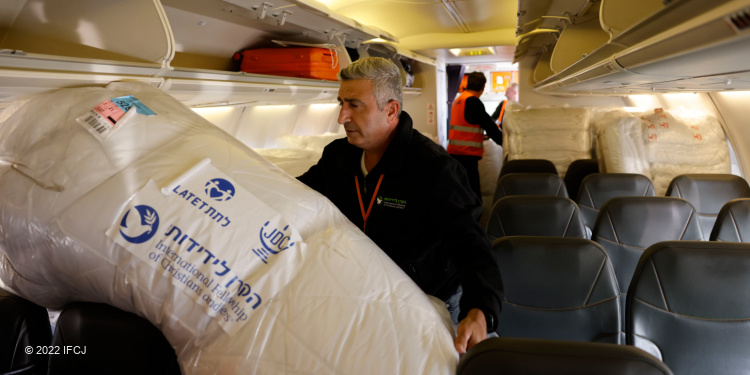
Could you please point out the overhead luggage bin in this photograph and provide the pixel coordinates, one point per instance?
(617, 16)
(689, 45)
(577, 41)
(174, 44)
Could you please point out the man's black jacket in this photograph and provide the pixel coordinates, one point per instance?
(424, 216)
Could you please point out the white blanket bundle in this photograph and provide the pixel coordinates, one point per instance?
(244, 269)
(558, 134)
(661, 144)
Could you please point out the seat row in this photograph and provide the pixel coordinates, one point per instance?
(688, 303)
(624, 227)
(708, 193)
(89, 338)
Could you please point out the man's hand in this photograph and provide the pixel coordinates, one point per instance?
(471, 330)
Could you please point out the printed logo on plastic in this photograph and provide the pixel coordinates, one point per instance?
(139, 224)
(220, 189)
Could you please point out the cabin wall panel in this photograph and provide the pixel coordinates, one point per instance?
(262, 126)
(422, 107)
(733, 109)
(227, 118)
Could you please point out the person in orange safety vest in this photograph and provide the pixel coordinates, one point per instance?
(511, 95)
(469, 122)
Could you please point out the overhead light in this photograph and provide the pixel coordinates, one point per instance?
(450, 6)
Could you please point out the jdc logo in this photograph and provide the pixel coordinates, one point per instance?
(220, 189)
(139, 224)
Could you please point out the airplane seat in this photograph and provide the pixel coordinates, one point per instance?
(527, 166)
(708, 193)
(557, 288)
(598, 188)
(23, 325)
(733, 222)
(530, 184)
(577, 171)
(115, 342)
(519, 356)
(535, 215)
(689, 305)
(627, 226)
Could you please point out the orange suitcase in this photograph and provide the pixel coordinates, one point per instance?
(301, 62)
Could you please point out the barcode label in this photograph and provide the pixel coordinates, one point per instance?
(102, 120)
(96, 124)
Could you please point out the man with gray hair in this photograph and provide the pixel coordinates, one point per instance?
(410, 197)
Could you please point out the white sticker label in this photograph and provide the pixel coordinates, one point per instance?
(217, 242)
(101, 120)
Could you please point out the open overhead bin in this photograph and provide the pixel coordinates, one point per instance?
(183, 46)
(688, 45)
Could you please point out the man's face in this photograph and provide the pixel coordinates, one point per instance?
(512, 94)
(366, 126)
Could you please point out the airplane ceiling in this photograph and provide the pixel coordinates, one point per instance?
(432, 27)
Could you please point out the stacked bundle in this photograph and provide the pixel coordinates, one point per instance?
(124, 196)
(558, 134)
(661, 144)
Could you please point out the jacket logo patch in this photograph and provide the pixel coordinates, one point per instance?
(391, 202)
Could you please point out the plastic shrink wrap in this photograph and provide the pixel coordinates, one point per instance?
(558, 134)
(619, 143)
(661, 144)
(244, 269)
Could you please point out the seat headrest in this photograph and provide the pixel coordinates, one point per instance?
(708, 192)
(644, 221)
(699, 279)
(733, 222)
(554, 272)
(535, 215)
(518, 356)
(530, 184)
(598, 188)
(528, 166)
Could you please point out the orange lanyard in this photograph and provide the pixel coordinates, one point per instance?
(366, 215)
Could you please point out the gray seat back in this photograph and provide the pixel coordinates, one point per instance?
(23, 324)
(733, 222)
(626, 226)
(708, 193)
(135, 346)
(517, 356)
(577, 171)
(598, 188)
(689, 305)
(530, 184)
(535, 215)
(527, 166)
(557, 288)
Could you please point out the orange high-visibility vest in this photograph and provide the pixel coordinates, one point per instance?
(464, 138)
(502, 112)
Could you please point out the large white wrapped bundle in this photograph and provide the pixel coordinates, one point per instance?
(558, 134)
(244, 269)
(682, 141)
(620, 147)
(489, 170)
(661, 144)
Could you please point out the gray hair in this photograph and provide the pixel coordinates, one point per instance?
(384, 75)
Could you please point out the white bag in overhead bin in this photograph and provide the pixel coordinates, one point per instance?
(244, 269)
